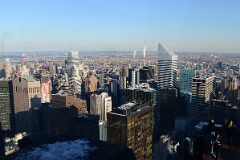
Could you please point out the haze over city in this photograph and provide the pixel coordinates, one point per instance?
(119, 80)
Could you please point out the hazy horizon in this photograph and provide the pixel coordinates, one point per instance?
(186, 26)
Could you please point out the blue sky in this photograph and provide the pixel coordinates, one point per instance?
(183, 25)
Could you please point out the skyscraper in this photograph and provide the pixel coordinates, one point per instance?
(140, 94)
(45, 89)
(167, 74)
(131, 125)
(186, 76)
(202, 89)
(233, 83)
(72, 68)
(100, 105)
(27, 95)
(167, 67)
(6, 105)
(115, 92)
(7, 69)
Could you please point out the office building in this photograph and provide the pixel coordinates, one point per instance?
(186, 76)
(167, 67)
(90, 84)
(140, 94)
(100, 104)
(115, 92)
(167, 75)
(72, 68)
(6, 105)
(146, 74)
(123, 78)
(131, 126)
(202, 89)
(45, 89)
(103, 131)
(58, 121)
(2, 143)
(172, 106)
(26, 95)
(59, 100)
(7, 69)
(233, 83)
(86, 126)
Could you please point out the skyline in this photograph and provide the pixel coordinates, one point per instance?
(203, 26)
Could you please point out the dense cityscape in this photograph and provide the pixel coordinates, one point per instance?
(119, 80)
(148, 105)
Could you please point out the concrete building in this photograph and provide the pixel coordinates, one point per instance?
(59, 100)
(26, 95)
(90, 83)
(131, 125)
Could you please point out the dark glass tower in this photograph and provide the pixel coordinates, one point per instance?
(6, 106)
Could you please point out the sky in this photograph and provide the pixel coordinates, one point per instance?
(95, 25)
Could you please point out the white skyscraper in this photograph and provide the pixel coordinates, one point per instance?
(100, 105)
(167, 74)
(72, 66)
(167, 67)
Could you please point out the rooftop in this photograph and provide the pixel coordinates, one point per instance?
(29, 79)
(127, 106)
(165, 54)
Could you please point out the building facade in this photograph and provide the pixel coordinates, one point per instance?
(186, 76)
(69, 101)
(26, 95)
(100, 104)
(6, 105)
(202, 89)
(131, 125)
(167, 67)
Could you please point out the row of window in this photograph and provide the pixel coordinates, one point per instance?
(26, 90)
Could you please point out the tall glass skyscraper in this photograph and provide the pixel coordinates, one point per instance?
(167, 67)
(186, 76)
(6, 105)
(167, 75)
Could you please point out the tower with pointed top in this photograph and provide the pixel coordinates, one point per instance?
(167, 74)
(167, 67)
